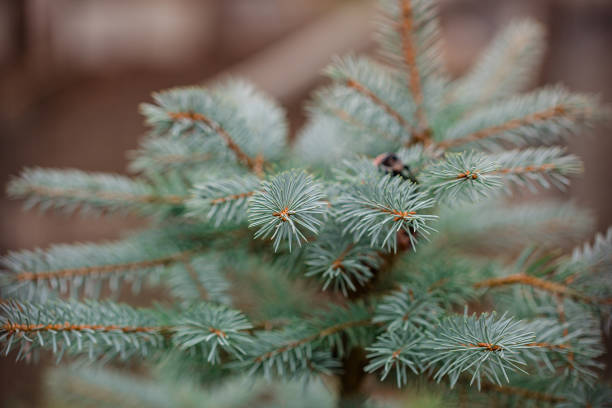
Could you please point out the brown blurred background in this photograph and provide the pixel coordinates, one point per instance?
(72, 73)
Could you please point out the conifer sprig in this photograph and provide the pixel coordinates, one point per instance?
(197, 278)
(461, 177)
(83, 269)
(541, 116)
(216, 157)
(369, 93)
(340, 262)
(238, 119)
(398, 351)
(380, 208)
(99, 330)
(410, 39)
(485, 346)
(301, 349)
(212, 328)
(408, 310)
(69, 190)
(537, 166)
(224, 201)
(287, 207)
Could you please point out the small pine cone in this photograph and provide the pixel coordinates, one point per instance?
(391, 164)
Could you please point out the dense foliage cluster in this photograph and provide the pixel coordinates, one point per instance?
(379, 242)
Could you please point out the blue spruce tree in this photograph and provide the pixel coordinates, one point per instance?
(379, 243)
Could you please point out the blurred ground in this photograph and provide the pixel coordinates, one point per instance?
(72, 73)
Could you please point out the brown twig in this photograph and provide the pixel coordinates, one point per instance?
(398, 214)
(497, 347)
(407, 27)
(351, 83)
(254, 164)
(555, 111)
(548, 286)
(351, 120)
(101, 269)
(232, 197)
(323, 333)
(526, 169)
(13, 328)
(338, 261)
(104, 195)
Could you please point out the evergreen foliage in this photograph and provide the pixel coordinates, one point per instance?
(379, 242)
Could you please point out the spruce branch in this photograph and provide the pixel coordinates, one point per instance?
(351, 83)
(212, 328)
(287, 206)
(407, 310)
(543, 166)
(383, 206)
(570, 350)
(83, 268)
(99, 330)
(254, 164)
(197, 278)
(245, 121)
(352, 122)
(162, 154)
(90, 192)
(223, 201)
(410, 60)
(339, 261)
(485, 345)
(55, 278)
(378, 87)
(542, 284)
(202, 171)
(396, 349)
(461, 177)
(498, 226)
(540, 116)
(299, 350)
(590, 267)
(409, 37)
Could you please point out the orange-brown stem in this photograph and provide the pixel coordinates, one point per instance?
(232, 197)
(407, 28)
(468, 174)
(351, 120)
(547, 114)
(323, 333)
(105, 195)
(19, 327)
(399, 214)
(351, 83)
(526, 169)
(548, 286)
(338, 261)
(497, 347)
(253, 163)
(283, 215)
(101, 269)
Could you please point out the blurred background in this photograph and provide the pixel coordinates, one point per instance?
(72, 73)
